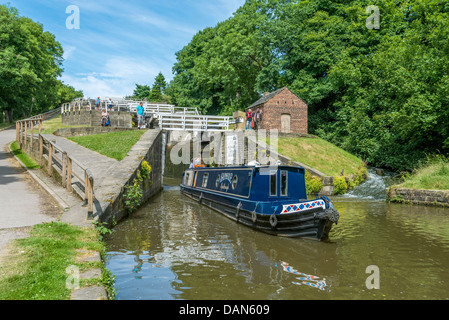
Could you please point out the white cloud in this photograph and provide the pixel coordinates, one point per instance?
(68, 51)
(121, 44)
(118, 77)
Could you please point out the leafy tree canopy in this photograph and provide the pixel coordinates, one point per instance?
(30, 64)
(381, 94)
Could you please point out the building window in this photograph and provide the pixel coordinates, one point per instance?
(284, 182)
(205, 178)
(273, 183)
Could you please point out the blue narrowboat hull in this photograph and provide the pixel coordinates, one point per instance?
(288, 216)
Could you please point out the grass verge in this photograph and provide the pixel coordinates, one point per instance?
(320, 155)
(348, 170)
(433, 174)
(115, 145)
(5, 125)
(37, 268)
(26, 160)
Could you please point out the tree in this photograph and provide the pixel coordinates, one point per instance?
(158, 89)
(142, 92)
(30, 62)
(382, 94)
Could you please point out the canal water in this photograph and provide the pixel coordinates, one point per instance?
(174, 248)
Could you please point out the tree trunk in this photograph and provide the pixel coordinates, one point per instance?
(31, 108)
(9, 116)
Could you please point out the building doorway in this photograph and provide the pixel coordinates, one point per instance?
(285, 123)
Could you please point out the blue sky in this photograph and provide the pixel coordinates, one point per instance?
(121, 43)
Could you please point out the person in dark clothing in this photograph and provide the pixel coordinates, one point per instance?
(249, 119)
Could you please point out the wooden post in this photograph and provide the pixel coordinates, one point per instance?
(25, 135)
(86, 188)
(20, 134)
(40, 125)
(41, 149)
(32, 135)
(17, 131)
(90, 194)
(69, 174)
(50, 158)
(64, 169)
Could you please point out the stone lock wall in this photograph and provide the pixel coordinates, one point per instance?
(416, 196)
(93, 118)
(149, 148)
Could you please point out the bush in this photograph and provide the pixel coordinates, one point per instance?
(340, 185)
(133, 195)
(145, 170)
(313, 184)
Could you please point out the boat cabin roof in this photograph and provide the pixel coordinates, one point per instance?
(257, 183)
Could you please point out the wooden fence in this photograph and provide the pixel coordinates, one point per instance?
(72, 172)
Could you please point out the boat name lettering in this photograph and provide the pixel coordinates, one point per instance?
(226, 176)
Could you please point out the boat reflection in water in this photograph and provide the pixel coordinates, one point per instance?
(306, 279)
(272, 199)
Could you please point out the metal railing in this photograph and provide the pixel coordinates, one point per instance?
(178, 122)
(169, 117)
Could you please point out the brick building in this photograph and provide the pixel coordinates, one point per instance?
(282, 110)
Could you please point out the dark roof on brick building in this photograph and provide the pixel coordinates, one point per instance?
(265, 98)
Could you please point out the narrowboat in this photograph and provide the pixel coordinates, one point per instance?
(272, 199)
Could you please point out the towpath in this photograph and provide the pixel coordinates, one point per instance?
(30, 197)
(23, 203)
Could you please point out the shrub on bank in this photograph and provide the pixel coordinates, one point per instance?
(340, 185)
(313, 184)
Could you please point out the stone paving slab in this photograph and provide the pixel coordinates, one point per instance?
(90, 293)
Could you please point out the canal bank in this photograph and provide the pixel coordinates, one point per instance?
(28, 238)
(427, 185)
(73, 209)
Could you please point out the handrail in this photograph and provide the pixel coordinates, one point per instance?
(66, 161)
(194, 122)
(170, 117)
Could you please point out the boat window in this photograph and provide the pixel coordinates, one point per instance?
(273, 183)
(234, 182)
(186, 178)
(218, 181)
(205, 178)
(284, 179)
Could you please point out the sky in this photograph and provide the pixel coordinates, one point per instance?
(122, 43)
